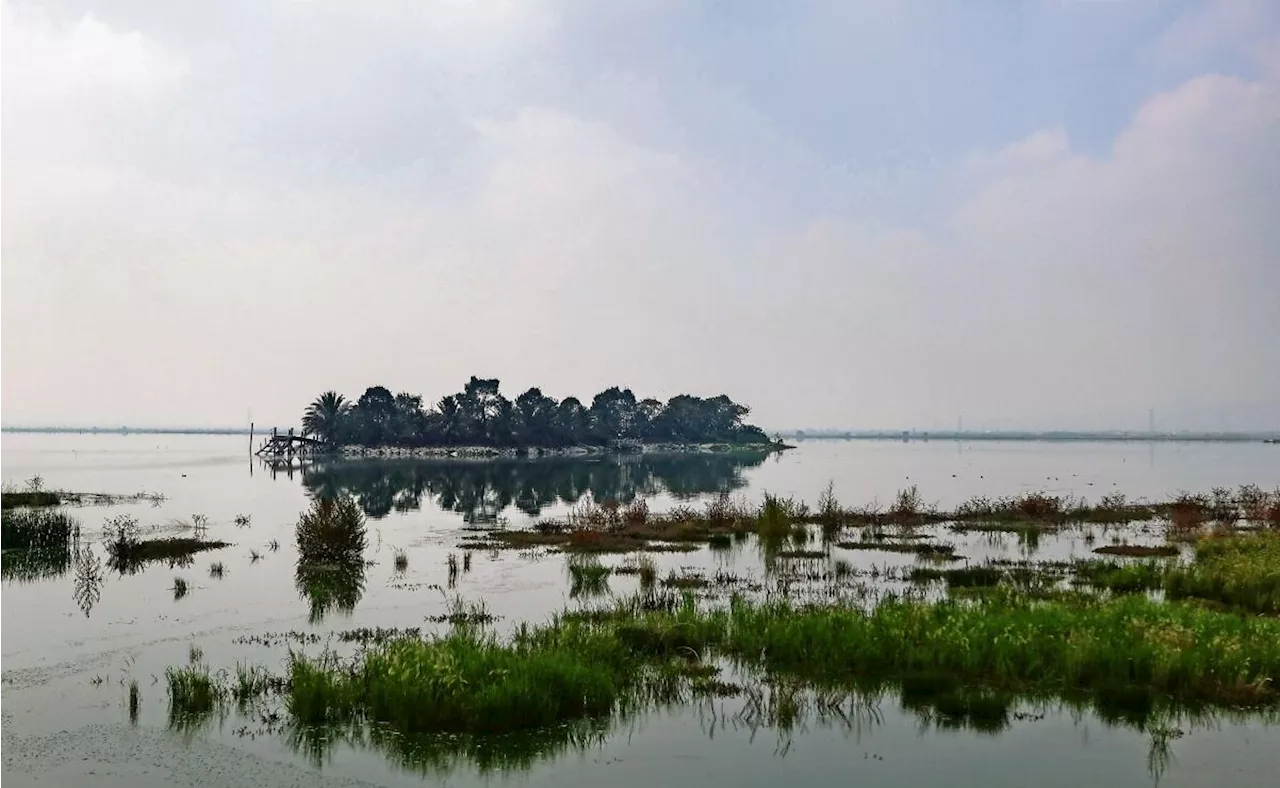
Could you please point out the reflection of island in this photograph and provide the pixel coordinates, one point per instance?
(481, 491)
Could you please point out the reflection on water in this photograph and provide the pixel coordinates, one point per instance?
(328, 587)
(445, 754)
(87, 588)
(759, 708)
(28, 565)
(480, 491)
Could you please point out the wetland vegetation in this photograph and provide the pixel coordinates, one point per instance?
(1088, 633)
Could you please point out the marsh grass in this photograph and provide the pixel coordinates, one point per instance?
(451, 566)
(964, 577)
(607, 528)
(467, 681)
(180, 588)
(1122, 578)
(1138, 551)
(924, 549)
(128, 553)
(829, 515)
(135, 701)
(1239, 571)
(217, 570)
(400, 559)
(17, 498)
(37, 529)
(588, 577)
(194, 692)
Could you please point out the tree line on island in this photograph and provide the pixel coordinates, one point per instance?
(480, 415)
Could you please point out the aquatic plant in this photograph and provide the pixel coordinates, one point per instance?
(193, 691)
(1122, 578)
(180, 588)
(918, 548)
(1137, 550)
(466, 681)
(33, 498)
(135, 701)
(39, 529)
(588, 577)
(331, 531)
(830, 516)
(400, 559)
(128, 552)
(241, 520)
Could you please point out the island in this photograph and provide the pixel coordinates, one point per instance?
(481, 421)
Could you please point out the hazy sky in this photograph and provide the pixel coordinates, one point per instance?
(865, 214)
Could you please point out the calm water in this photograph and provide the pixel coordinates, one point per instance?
(70, 647)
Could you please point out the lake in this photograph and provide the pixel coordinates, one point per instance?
(74, 638)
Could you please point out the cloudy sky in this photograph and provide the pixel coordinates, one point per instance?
(872, 214)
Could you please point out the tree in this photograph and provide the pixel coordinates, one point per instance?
(613, 414)
(535, 415)
(373, 415)
(571, 422)
(326, 417)
(480, 415)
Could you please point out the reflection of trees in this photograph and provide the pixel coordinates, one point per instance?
(87, 589)
(328, 587)
(481, 491)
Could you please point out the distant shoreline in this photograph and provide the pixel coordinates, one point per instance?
(1044, 437)
(866, 435)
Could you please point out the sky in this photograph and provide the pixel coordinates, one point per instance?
(889, 214)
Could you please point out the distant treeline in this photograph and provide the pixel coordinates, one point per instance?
(480, 415)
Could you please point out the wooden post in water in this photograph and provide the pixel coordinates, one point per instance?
(251, 437)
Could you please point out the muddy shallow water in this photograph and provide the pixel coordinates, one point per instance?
(71, 646)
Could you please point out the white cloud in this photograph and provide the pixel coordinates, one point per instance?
(343, 198)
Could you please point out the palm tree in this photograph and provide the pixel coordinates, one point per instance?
(325, 416)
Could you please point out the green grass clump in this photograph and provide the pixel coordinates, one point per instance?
(587, 576)
(40, 529)
(1182, 651)
(965, 577)
(918, 548)
(10, 500)
(1240, 571)
(194, 692)
(1122, 578)
(776, 516)
(467, 681)
(1138, 550)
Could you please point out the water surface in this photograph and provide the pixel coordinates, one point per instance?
(70, 647)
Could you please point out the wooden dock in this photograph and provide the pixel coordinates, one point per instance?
(289, 445)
